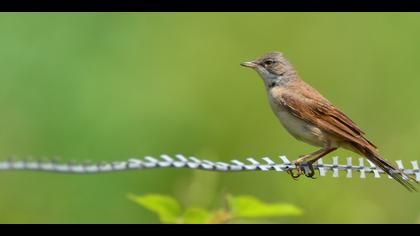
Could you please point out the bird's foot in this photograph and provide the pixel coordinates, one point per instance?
(311, 172)
(302, 168)
(297, 171)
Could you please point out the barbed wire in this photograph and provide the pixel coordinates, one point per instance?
(280, 164)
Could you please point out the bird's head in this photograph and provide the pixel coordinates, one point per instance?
(272, 67)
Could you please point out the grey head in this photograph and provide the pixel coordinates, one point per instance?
(273, 68)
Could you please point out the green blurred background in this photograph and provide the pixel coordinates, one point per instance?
(112, 86)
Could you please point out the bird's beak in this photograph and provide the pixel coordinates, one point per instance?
(249, 64)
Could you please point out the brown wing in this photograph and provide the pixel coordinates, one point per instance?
(324, 115)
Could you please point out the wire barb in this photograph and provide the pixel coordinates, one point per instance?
(281, 164)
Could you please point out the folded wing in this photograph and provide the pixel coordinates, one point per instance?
(324, 115)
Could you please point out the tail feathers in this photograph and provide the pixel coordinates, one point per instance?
(396, 174)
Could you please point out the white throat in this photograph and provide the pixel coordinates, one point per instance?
(271, 80)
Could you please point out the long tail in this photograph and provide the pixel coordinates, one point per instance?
(380, 162)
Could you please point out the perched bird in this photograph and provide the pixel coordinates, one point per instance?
(311, 118)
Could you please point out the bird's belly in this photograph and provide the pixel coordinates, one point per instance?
(302, 130)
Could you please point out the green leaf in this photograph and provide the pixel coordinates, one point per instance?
(251, 207)
(167, 208)
(196, 216)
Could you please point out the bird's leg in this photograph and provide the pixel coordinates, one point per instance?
(319, 156)
(310, 159)
(298, 163)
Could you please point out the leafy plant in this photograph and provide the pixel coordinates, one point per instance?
(167, 208)
(240, 207)
(251, 207)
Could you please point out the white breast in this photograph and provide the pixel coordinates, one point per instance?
(299, 128)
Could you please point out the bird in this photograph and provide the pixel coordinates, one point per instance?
(311, 118)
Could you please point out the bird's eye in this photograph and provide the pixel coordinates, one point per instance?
(268, 62)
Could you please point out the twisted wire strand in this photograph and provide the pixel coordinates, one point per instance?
(280, 164)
